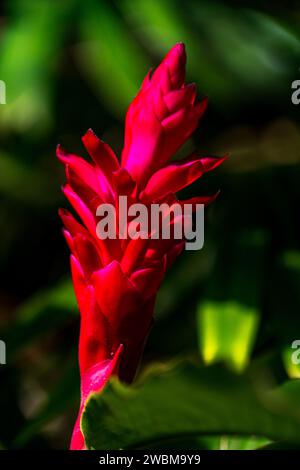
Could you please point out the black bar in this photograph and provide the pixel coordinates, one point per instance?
(134, 459)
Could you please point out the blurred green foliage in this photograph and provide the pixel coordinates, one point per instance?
(72, 65)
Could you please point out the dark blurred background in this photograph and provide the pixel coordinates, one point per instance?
(70, 65)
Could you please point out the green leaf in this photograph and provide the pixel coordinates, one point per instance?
(227, 330)
(173, 402)
(33, 40)
(241, 443)
(229, 315)
(110, 57)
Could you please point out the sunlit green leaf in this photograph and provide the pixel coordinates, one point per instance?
(228, 317)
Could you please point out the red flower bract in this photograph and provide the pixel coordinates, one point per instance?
(116, 280)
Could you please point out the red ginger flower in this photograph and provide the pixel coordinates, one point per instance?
(116, 281)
